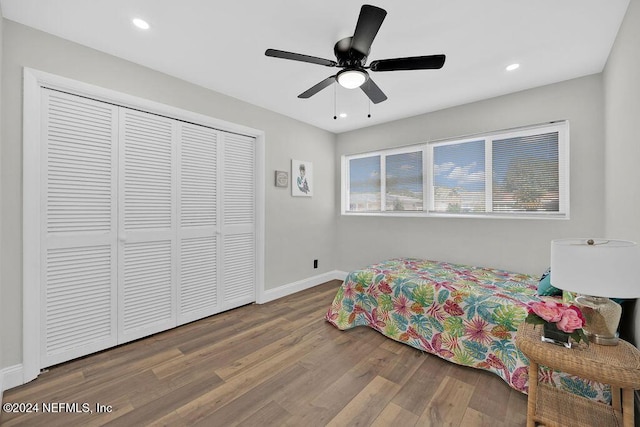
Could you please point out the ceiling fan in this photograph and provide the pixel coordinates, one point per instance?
(351, 54)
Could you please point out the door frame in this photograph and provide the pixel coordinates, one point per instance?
(34, 81)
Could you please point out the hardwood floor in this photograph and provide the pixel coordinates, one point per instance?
(277, 364)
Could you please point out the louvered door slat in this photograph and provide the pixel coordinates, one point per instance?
(146, 272)
(147, 284)
(239, 269)
(147, 159)
(79, 227)
(198, 278)
(198, 176)
(197, 217)
(239, 194)
(238, 231)
(79, 162)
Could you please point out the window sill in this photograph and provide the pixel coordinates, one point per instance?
(530, 216)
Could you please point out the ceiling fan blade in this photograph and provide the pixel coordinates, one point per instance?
(373, 91)
(299, 57)
(430, 62)
(318, 87)
(369, 23)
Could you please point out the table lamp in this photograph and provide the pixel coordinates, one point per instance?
(597, 269)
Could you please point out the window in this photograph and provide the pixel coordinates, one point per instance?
(514, 173)
(525, 174)
(364, 184)
(404, 182)
(392, 180)
(459, 177)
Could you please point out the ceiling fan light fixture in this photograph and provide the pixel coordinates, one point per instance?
(351, 79)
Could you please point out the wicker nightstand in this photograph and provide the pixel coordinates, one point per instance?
(618, 366)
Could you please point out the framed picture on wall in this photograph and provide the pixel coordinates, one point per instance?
(282, 179)
(301, 178)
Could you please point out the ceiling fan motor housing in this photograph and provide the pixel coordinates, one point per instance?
(348, 57)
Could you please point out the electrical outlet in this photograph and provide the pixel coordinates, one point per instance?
(315, 263)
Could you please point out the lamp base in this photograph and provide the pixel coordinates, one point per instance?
(602, 318)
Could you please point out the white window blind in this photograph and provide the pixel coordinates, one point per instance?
(459, 177)
(513, 173)
(525, 174)
(404, 182)
(364, 184)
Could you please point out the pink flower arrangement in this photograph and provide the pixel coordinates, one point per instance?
(566, 317)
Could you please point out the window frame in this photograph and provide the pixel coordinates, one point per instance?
(428, 189)
(346, 182)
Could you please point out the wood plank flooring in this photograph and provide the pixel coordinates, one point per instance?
(276, 364)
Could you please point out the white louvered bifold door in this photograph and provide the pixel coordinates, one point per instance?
(78, 227)
(146, 222)
(146, 270)
(238, 262)
(197, 222)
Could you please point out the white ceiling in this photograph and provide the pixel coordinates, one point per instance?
(220, 45)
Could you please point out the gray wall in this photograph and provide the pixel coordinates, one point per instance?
(298, 230)
(622, 112)
(514, 244)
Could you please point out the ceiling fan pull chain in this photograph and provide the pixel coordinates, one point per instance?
(335, 103)
(369, 103)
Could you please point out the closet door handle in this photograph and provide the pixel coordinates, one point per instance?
(122, 237)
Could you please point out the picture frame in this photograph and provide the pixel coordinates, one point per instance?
(282, 179)
(301, 178)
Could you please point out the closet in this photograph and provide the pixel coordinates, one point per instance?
(147, 222)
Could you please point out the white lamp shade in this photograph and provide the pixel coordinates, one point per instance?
(606, 268)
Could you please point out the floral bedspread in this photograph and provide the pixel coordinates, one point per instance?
(468, 315)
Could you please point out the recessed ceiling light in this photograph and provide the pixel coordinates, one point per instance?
(141, 23)
(513, 67)
(343, 115)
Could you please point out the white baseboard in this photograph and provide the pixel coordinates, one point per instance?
(11, 376)
(300, 285)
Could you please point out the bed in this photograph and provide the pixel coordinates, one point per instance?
(467, 315)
